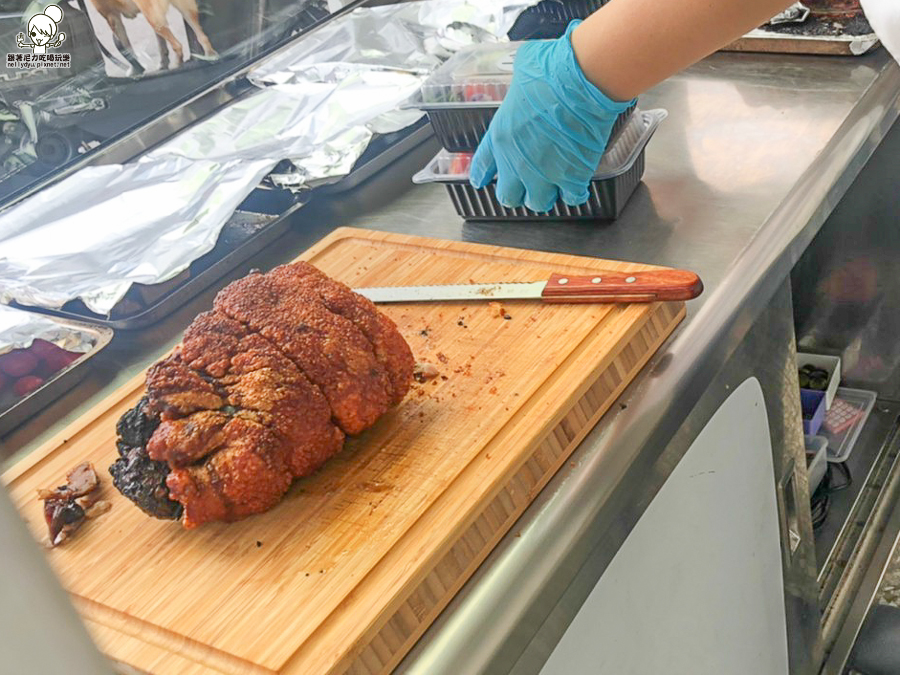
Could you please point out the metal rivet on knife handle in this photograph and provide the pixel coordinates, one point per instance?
(563, 281)
(596, 280)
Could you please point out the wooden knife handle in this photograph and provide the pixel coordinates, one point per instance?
(658, 285)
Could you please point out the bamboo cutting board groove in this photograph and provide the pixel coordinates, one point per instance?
(351, 568)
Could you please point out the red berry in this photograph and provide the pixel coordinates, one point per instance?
(44, 369)
(56, 362)
(460, 163)
(18, 362)
(42, 349)
(26, 385)
(72, 357)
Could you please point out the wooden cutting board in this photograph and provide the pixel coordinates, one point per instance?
(348, 571)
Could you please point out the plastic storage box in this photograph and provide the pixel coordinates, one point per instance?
(830, 364)
(462, 95)
(813, 406)
(840, 444)
(618, 175)
(816, 460)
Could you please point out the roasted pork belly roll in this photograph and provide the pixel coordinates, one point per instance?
(389, 346)
(328, 348)
(261, 391)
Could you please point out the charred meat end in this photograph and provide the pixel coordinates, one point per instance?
(134, 474)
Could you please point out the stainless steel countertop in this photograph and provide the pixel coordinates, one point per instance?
(756, 151)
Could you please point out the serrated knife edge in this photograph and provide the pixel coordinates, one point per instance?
(513, 290)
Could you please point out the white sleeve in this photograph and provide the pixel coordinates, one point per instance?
(884, 15)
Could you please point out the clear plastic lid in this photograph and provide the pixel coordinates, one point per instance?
(453, 167)
(477, 76)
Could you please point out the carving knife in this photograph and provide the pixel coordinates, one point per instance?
(602, 287)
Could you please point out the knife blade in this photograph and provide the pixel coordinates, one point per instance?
(602, 287)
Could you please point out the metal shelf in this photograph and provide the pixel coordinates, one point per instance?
(853, 549)
(869, 448)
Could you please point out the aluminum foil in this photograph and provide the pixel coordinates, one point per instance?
(93, 234)
(19, 329)
(416, 36)
(299, 120)
(796, 13)
(884, 16)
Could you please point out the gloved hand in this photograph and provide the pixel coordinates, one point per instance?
(546, 140)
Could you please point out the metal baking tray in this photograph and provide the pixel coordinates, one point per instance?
(383, 151)
(779, 43)
(261, 218)
(615, 180)
(15, 411)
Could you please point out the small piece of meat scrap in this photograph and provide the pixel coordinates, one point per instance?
(422, 372)
(64, 506)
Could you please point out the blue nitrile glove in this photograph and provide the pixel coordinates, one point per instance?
(546, 140)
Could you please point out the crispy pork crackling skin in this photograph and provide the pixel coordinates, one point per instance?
(262, 390)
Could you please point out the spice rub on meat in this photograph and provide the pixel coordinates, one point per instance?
(389, 346)
(261, 391)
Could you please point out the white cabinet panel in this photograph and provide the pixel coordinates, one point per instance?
(696, 589)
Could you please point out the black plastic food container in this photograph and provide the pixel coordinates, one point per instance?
(618, 175)
(461, 129)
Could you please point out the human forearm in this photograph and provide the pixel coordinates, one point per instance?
(629, 46)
